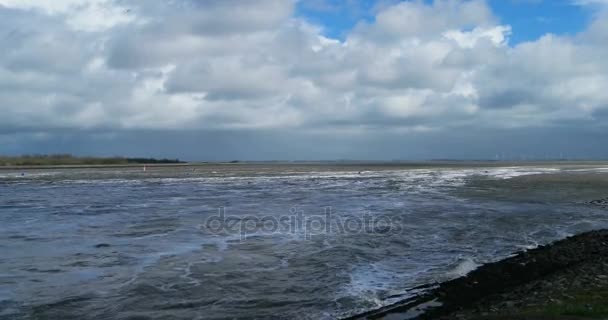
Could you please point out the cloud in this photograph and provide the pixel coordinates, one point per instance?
(85, 15)
(418, 20)
(225, 65)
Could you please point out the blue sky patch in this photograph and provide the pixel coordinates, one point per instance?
(529, 19)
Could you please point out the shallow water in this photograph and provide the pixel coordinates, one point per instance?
(269, 241)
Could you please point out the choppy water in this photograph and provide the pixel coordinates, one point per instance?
(128, 244)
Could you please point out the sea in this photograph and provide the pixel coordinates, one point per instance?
(322, 240)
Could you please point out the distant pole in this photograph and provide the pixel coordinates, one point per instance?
(144, 168)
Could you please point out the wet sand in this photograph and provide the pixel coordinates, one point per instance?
(564, 280)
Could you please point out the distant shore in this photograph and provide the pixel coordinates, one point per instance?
(70, 160)
(73, 162)
(567, 279)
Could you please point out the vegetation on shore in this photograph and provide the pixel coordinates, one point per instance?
(587, 303)
(68, 159)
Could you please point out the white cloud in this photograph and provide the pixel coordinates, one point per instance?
(244, 64)
(498, 36)
(86, 15)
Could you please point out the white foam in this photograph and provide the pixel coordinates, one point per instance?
(463, 268)
(527, 247)
(187, 275)
(512, 172)
(367, 281)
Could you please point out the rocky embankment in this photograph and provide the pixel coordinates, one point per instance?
(564, 280)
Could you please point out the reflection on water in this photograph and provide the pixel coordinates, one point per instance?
(121, 243)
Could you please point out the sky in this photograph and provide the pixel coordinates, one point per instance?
(223, 80)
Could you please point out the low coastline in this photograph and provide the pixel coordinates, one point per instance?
(567, 279)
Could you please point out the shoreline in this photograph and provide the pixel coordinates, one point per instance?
(567, 279)
(345, 163)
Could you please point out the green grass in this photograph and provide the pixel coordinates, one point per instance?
(589, 304)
